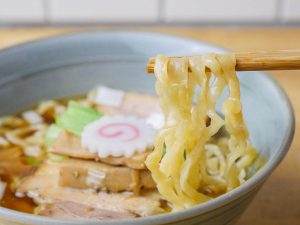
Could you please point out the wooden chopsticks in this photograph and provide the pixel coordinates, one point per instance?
(262, 60)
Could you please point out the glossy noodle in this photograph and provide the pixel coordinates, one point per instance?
(187, 168)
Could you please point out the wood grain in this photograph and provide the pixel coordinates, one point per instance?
(278, 202)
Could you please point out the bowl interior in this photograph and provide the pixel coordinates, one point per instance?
(72, 65)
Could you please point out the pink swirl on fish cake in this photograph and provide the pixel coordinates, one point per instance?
(123, 132)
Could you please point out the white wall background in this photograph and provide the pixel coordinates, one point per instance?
(150, 11)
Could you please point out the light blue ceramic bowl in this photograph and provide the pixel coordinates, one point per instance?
(71, 65)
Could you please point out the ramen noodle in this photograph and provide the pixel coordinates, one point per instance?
(186, 169)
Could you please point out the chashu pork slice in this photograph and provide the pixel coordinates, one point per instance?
(72, 210)
(116, 202)
(87, 174)
(45, 188)
(70, 145)
(134, 104)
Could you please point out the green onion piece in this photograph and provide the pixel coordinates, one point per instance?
(32, 161)
(164, 150)
(184, 154)
(56, 158)
(77, 117)
(52, 133)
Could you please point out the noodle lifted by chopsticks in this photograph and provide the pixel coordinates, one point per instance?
(185, 167)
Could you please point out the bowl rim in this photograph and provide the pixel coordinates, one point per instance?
(225, 199)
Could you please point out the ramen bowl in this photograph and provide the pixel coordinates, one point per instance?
(73, 64)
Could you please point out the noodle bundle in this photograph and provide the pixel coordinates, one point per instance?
(187, 166)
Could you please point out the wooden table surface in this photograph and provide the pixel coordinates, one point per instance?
(278, 203)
